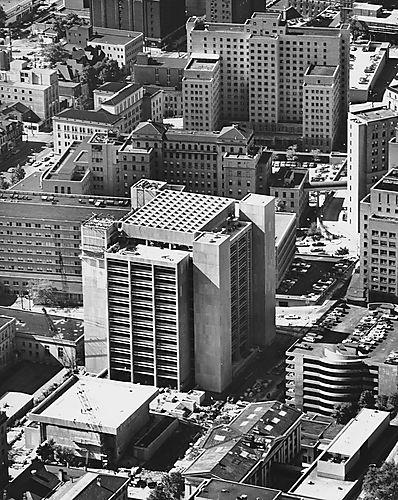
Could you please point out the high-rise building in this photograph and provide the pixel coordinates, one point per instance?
(170, 293)
(201, 87)
(378, 238)
(272, 71)
(369, 133)
(232, 11)
(157, 19)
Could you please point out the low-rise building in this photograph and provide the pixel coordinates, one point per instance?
(288, 186)
(93, 417)
(7, 342)
(245, 449)
(36, 88)
(166, 69)
(381, 23)
(40, 238)
(338, 472)
(214, 489)
(16, 10)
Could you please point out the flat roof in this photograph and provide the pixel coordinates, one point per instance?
(88, 115)
(357, 432)
(112, 403)
(229, 490)
(373, 114)
(367, 6)
(179, 211)
(13, 402)
(115, 39)
(4, 320)
(122, 94)
(34, 323)
(322, 70)
(152, 253)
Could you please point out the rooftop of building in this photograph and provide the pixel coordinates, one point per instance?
(92, 485)
(317, 70)
(107, 138)
(229, 490)
(13, 402)
(385, 17)
(202, 62)
(365, 59)
(33, 323)
(72, 166)
(88, 115)
(172, 60)
(179, 211)
(367, 6)
(388, 182)
(90, 401)
(288, 178)
(4, 320)
(122, 94)
(150, 253)
(231, 451)
(111, 87)
(20, 205)
(374, 114)
(114, 38)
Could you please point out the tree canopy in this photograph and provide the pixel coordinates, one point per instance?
(381, 483)
(344, 412)
(3, 17)
(170, 488)
(54, 53)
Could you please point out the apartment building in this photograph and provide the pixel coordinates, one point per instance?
(183, 261)
(336, 369)
(157, 20)
(118, 46)
(7, 345)
(40, 238)
(369, 133)
(76, 125)
(3, 450)
(260, 435)
(222, 163)
(201, 88)
(36, 88)
(378, 237)
(266, 67)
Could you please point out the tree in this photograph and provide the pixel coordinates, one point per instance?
(344, 412)
(382, 402)
(366, 400)
(381, 483)
(315, 154)
(45, 451)
(280, 205)
(43, 292)
(3, 17)
(3, 183)
(54, 53)
(109, 71)
(342, 251)
(170, 488)
(392, 402)
(18, 174)
(64, 454)
(314, 230)
(291, 153)
(358, 28)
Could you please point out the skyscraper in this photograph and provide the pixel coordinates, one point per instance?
(170, 293)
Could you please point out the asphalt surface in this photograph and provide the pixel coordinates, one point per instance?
(24, 149)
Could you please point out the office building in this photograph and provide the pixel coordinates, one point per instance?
(40, 238)
(36, 88)
(3, 450)
(157, 20)
(244, 450)
(337, 367)
(378, 238)
(232, 11)
(339, 470)
(369, 132)
(93, 417)
(7, 343)
(201, 87)
(270, 73)
(203, 246)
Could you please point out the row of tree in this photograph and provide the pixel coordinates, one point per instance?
(344, 412)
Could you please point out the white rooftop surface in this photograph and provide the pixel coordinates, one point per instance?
(363, 59)
(367, 6)
(151, 254)
(392, 19)
(322, 488)
(111, 402)
(12, 402)
(357, 432)
(179, 211)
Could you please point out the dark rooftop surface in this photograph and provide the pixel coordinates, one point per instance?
(4, 320)
(36, 324)
(34, 479)
(121, 95)
(287, 178)
(99, 116)
(322, 70)
(230, 452)
(112, 86)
